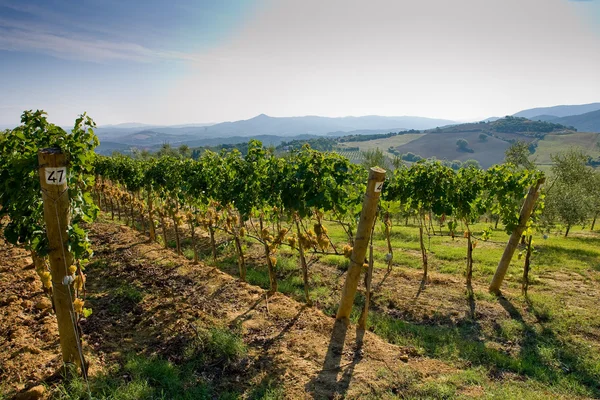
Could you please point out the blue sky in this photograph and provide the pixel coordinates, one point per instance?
(183, 61)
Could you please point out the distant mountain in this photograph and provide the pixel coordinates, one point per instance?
(261, 125)
(152, 144)
(589, 122)
(547, 118)
(150, 137)
(126, 125)
(314, 125)
(558, 111)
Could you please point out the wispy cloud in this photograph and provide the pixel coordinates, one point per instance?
(30, 37)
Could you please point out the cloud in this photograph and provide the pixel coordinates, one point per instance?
(32, 37)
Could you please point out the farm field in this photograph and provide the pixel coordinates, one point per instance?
(383, 144)
(443, 146)
(552, 144)
(166, 316)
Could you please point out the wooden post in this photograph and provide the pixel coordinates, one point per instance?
(513, 241)
(363, 233)
(362, 321)
(53, 180)
(469, 260)
(303, 264)
(151, 218)
(525, 283)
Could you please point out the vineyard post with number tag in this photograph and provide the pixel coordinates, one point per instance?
(53, 180)
(363, 233)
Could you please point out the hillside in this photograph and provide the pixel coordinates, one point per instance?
(273, 126)
(558, 111)
(443, 146)
(487, 140)
(314, 125)
(589, 122)
(552, 144)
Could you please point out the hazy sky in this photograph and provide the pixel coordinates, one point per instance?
(183, 61)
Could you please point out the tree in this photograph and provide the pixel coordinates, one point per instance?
(463, 145)
(595, 194)
(456, 164)
(518, 154)
(570, 198)
(471, 163)
(374, 158)
(184, 151)
(483, 137)
(166, 150)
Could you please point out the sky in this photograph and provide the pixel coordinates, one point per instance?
(200, 61)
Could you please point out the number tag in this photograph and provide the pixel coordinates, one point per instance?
(56, 176)
(378, 187)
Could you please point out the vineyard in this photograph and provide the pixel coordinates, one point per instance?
(355, 156)
(448, 308)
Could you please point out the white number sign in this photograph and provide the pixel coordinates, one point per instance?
(56, 176)
(378, 187)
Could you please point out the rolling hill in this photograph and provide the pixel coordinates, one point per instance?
(314, 125)
(443, 146)
(558, 111)
(588, 122)
(487, 140)
(280, 126)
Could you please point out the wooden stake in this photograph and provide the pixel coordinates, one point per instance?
(303, 264)
(511, 246)
(362, 321)
(53, 180)
(525, 283)
(151, 218)
(363, 233)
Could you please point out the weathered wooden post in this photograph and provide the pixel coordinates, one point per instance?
(151, 218)
(53, 180)
(363, 233)
(513, 241)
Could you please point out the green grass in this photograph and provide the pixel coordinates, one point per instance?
(552, 144)
(152, 377)
(543, 356)
(546, 347)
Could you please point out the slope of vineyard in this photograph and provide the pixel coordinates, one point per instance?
(152, 312)
(153, 309)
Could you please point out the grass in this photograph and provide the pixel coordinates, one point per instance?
(546, 342)
(540, 346)
(568, 368)
(152, 377)
(552, 144)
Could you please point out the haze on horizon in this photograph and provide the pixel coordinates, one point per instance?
(186, 61)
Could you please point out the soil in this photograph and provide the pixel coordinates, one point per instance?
(296, 346)
(288, 343)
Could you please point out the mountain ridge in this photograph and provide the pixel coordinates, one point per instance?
(559, 111)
